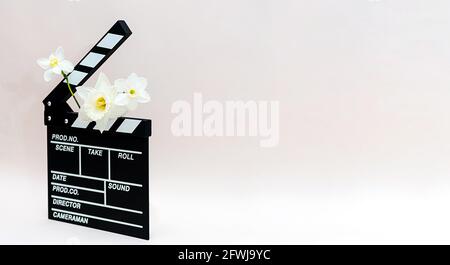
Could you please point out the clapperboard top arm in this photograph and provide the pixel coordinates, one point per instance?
(123, 125)
(59, 113)
(87, 66)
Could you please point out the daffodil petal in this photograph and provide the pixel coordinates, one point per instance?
(56, 70)
(102, 81)
(83, 92)
(44, 63)
(59, 53)
(144, 97)
(82, 114)
(120, 85)
(136, 81)
(142, 83)
(132, 76)
(132, 105)
(102, 124)
(48, 75)
(121, 99)
(93, 114)
(117, 111)
(66, 66)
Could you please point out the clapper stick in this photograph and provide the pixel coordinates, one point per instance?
(98, 180)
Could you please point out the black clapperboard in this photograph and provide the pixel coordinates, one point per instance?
(98, 180)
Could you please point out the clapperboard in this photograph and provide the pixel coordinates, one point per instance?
(98, 180)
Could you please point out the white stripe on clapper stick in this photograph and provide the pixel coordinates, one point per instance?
(92, 59)
(79, 123)
(75, 77)
(128, 126)
(109, 41)
(108, 126)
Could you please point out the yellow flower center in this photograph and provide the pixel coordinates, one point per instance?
(132, 91)
(100, 104)
(53, 62)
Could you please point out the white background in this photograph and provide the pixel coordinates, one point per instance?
(364, 90)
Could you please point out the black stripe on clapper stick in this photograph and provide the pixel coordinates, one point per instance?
(98, 180)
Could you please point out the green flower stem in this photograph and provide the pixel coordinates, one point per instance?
(70, 89)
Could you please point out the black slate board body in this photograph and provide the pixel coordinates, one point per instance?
(99, 181)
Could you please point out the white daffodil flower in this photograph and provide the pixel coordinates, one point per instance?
(131, 91)
(98, 103)
(54, 64)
